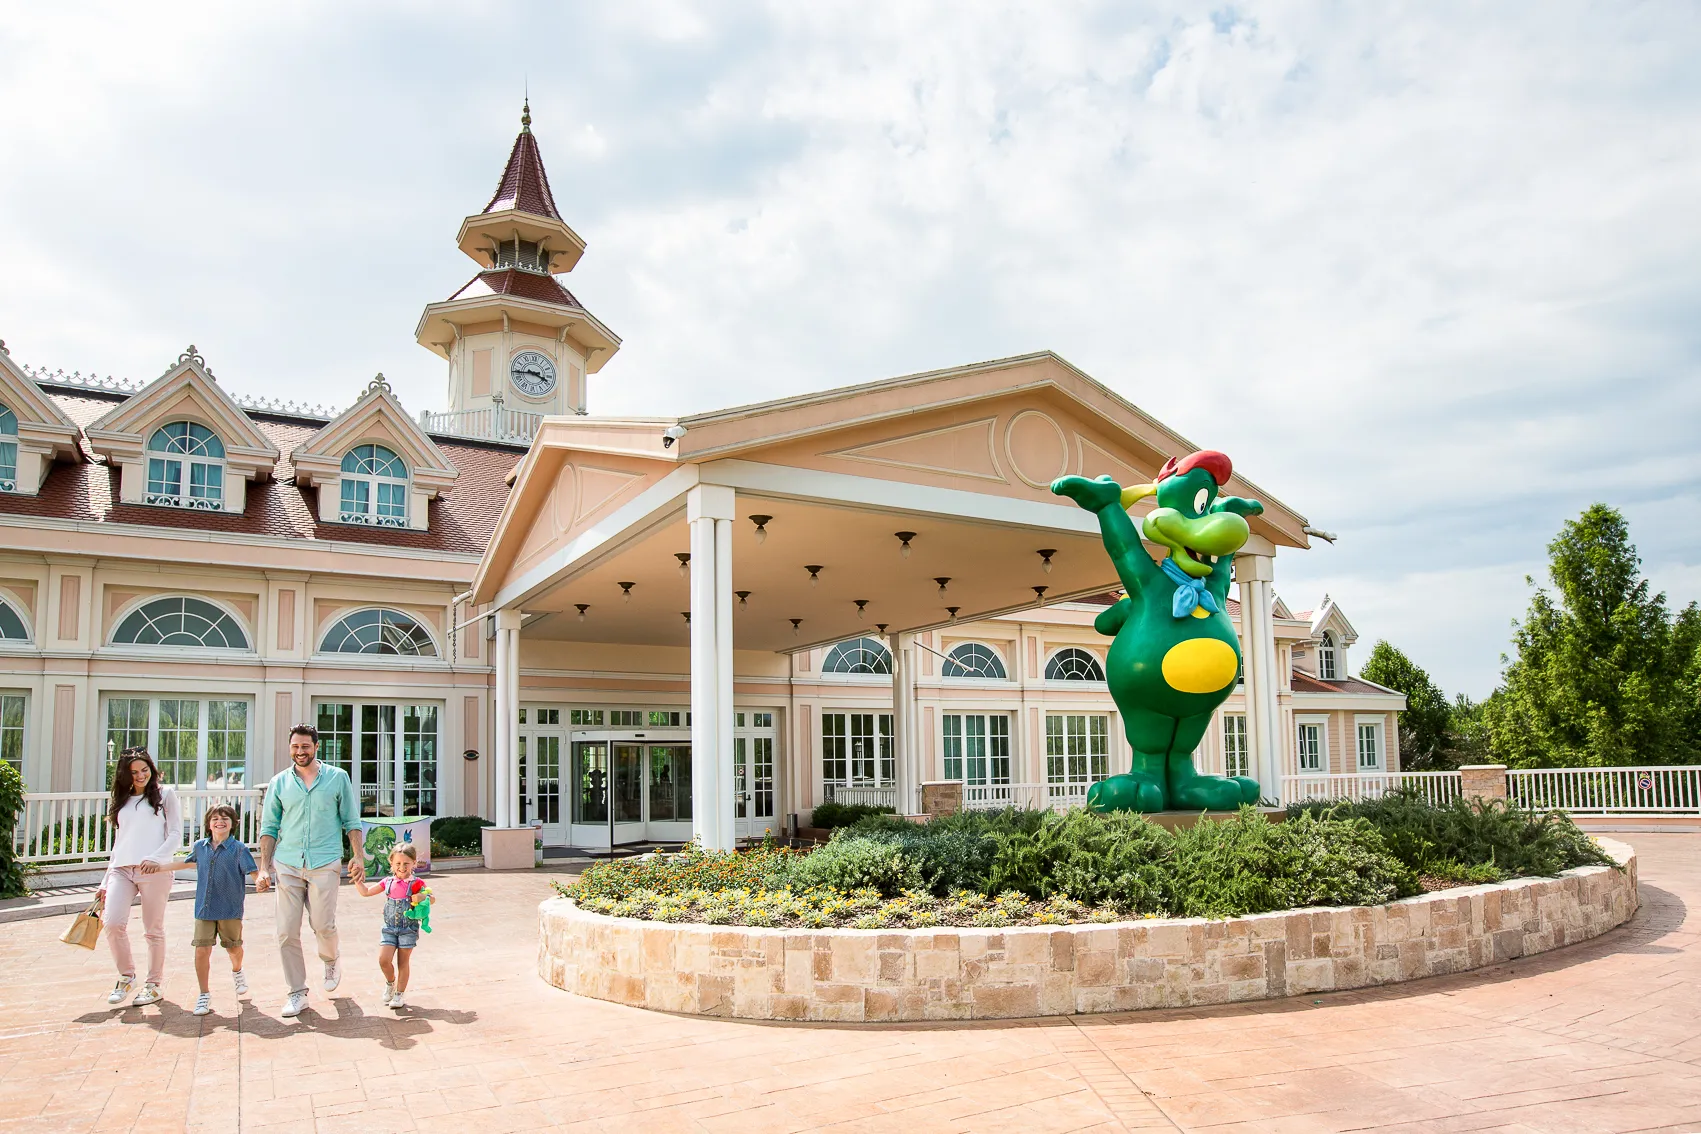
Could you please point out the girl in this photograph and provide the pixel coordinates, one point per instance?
(149, 828)
(400, 933)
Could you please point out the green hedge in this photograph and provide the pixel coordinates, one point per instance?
(11, 806)
(831, 815)
(458, 834)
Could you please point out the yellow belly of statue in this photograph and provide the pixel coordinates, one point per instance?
(1200, 665)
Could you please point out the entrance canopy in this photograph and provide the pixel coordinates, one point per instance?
(782, 525)
(961, 458)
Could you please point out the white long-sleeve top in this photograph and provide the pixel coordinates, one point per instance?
(146, 835)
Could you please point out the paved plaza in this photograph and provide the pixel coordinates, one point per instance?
(1605, 1036)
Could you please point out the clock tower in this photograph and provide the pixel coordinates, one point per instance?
(514, 338)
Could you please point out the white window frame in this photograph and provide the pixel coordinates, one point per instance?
(1067, 739)
(997, 653)
(203, 729)
(23, 728)
(16, 606)
(990, 736)
(1377, 723)
(343, 656)
(885, 748)
(1328, 668)
(368, 514)
(842, 675)
(8, 438)
(1322, 726)
(184, 497)
(130, 608)
(1245, 745)
(397, 759)
(1073, 682)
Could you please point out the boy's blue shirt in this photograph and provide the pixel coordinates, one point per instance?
(221, 878)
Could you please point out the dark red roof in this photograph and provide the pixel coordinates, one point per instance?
(1305, 683)
(524, 185)
(461, 520)
(525, 285)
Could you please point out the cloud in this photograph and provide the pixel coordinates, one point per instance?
(1428, 273)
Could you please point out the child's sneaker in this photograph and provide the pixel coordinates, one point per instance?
(150, 994)
(204, 1004)
(121, 990)
(240, 979)
(389, 992)
(396, 1001)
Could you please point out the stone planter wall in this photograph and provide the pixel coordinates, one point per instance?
(961, 974)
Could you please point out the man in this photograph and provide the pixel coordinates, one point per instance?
(308, 807)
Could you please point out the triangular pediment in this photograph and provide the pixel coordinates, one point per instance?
(1328, 616)
(187, 390)
(39, 417)
(377, 417)
(966, 450)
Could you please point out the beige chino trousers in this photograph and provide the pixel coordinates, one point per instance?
(314, 891)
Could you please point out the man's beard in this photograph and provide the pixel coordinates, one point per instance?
(303, 761)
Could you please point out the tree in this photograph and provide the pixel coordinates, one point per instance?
(1603, 675)
(1426, 727)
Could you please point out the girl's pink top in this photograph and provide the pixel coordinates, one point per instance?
(401, 888)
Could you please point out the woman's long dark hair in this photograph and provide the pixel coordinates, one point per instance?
(123, 788)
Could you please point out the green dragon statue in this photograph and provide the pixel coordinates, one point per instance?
(1175, 656)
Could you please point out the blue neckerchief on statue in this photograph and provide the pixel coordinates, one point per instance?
(1189, 592)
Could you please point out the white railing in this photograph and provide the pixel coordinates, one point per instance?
(491, 423)
(71, 826)
(1436, 787)
(1028, 797)
(1670, 790)
(863, 796)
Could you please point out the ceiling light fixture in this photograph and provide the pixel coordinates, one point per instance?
(952, 611)
(1039, 593)
(743, 597)
(904, 545)
(881, 626)
(1045, 554)
(684, 558)
(686, 614)
(814, 570)
(795, 623)
(761, 523)
(626, 591)
(942, 580)
(861, 606)
(581, 607)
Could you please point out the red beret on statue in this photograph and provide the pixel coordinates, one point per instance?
(1213, 462)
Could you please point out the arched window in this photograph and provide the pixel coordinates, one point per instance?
(12, 628)
(186, 467)
(859, 655)
(180, 621)
(971, 659)
(8, 450)
(379, 631)
(375, 488)
(1326, 657)
(1073, 664)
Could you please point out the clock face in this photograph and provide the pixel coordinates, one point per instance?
(532, 373)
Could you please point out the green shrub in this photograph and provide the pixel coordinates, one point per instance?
(1468, 833)
(693, 868)
(458, 833)
(11, 805)
(1117, 858)
(1249, 865)
(830, 815)
(856, 863)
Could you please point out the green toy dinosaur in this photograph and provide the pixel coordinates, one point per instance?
(1175, 657)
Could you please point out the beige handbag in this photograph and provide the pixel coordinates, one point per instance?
(84, 929)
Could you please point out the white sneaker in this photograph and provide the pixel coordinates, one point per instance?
(389, 992)
(204, 1004)
(293, 1006)
(396, 1001)
(333, 975)
(121, 990)
(240, 979)
(150, 994)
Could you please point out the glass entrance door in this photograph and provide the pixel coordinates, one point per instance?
(389, 750)
(753, 775)
(541, 744)
(651, 792)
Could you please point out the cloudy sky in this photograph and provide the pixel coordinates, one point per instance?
(1429, 272)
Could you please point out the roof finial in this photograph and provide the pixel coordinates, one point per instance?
(526, 115)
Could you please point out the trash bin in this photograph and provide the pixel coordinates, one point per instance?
(382, 835)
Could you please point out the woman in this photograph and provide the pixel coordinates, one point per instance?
(149, 828)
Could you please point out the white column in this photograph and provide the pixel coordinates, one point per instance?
(514, 784)
(1263, 719)
(727, 781)
(704, 506)
(507, 715)
(904, 722)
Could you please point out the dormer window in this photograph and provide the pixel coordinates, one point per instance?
(1326, 657)
(186, 467)
(8, 450)
(374, 488)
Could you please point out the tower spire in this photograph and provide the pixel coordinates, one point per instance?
(526, 115)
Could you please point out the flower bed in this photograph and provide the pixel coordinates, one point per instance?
(983, 973)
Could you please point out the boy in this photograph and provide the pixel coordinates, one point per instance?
(222, 864)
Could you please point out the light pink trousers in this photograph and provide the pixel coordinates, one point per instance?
(122, 886)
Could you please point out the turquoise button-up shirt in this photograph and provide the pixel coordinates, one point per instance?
(308, 822)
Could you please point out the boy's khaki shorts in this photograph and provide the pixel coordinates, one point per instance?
(226, 932)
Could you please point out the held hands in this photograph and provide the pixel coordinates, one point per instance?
(262, 880)
(356, 871)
